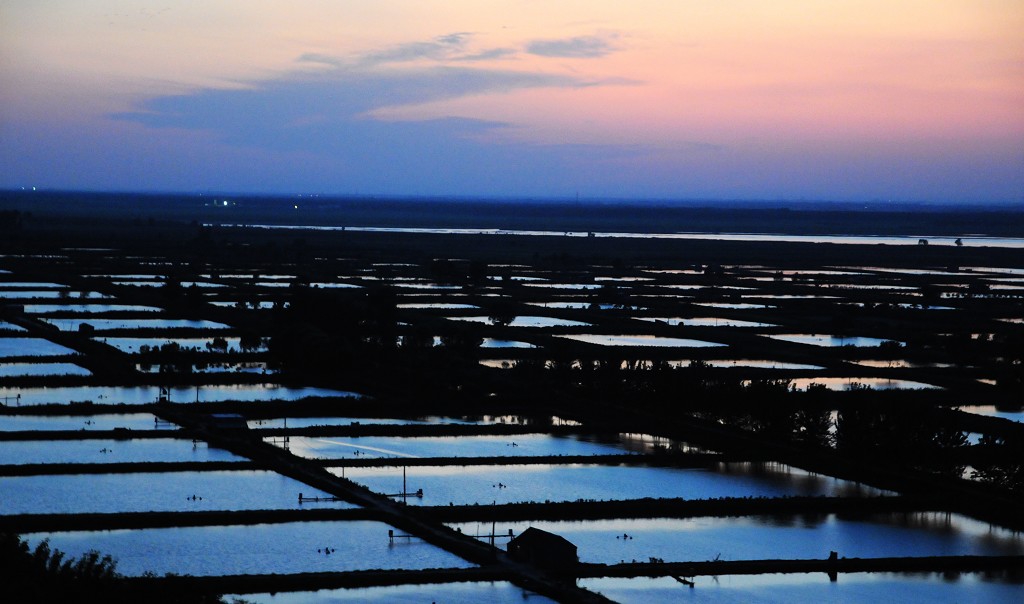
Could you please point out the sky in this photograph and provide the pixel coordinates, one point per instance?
(917, 100)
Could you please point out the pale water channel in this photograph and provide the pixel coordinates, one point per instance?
(468, 485)
(106, 324)
(257, 549)
(154, 491)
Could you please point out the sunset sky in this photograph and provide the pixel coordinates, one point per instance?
(688, 99)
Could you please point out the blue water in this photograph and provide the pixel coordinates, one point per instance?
(257, 549)
(468, 485)
(160, 491)
(449, 593)
(110, 451)
(857, 588)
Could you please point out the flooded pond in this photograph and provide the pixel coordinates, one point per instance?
(52, 295)
(107, 421)
(468, 485)
(761, 364)
(525, 321)
(704, 322)
(791, 537)
(493, 343)
(160, 492)
(640, 340)
(139, 395)
(87, 309)
(437, 305)
(105, 324)
(111, 451)
(449, 593)
(853, 588)
(257, 549)
(41, 369)
(31, 347)
(829, 340)
(446, 446)
(5, 326)
(993, 411)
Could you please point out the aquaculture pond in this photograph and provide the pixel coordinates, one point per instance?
(468, 485)
(761, 364)
(829, 340)
(108, 421)
(139, 395)
(526, 321)
(493, 343)
(449, 593)
(785, 537)
(41, 369)
(86, 309)
(446, 446)
(31, 347)
(704, 322)
(131, 450)
(154, 491)
(639, 340)
(5, 326)
(50, 294)
(105, 324)
(291, 547)
(853, 588)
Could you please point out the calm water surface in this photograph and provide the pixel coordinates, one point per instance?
(110, 451)
(139, 395)
(132, 421)
(258, 549)
(781, 537)
(446, 446)
(449, 593)
(154, 491)
(41, 369)
(856, 588)
(467, 485)
(31, 347)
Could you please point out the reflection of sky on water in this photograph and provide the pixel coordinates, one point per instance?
(777, 537)
(158, 491)
(133, 421)
(865, 588)
(450, 593)
(640, 340)
(110, 451)
(258, 549)
(140, 395)
(446, 446)
(40, 369)
(31, 347)
(481, 484)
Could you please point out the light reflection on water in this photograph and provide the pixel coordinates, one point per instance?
(449, 593)
(775, 537)
(160, 492)
(257, 549)
(467, 485)
(446, 446)
(141, 395)
(866, 588)
(110, 451)
(109, 421)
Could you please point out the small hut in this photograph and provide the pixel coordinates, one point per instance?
(543, 549)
